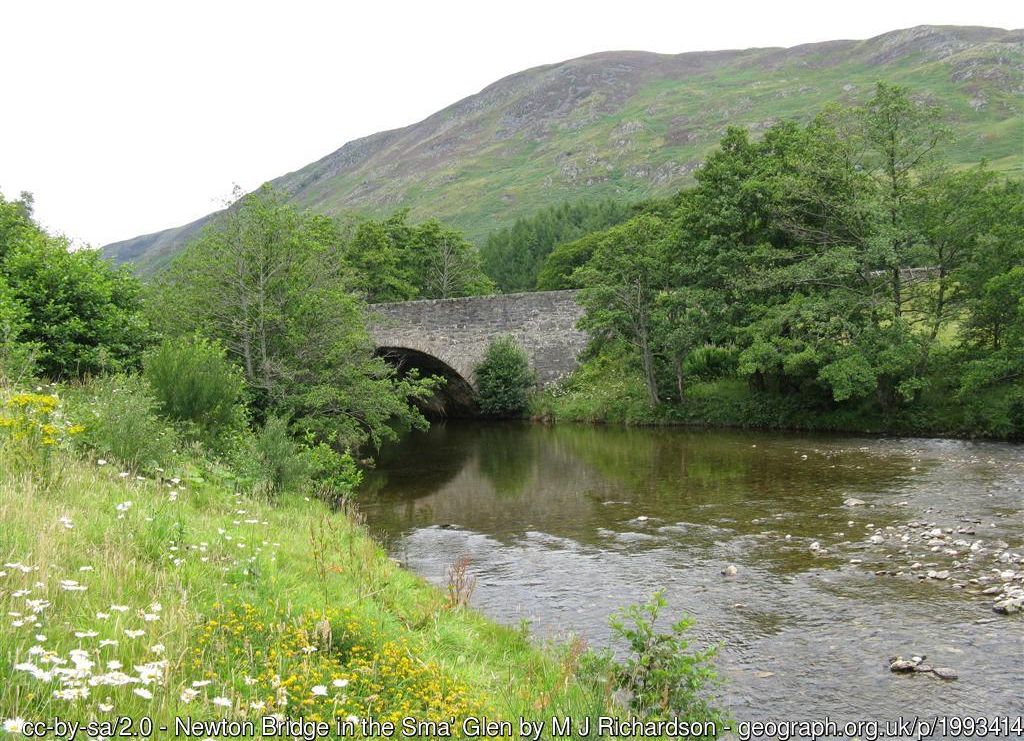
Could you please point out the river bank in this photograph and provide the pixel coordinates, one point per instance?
(157, 597)
(605, 392)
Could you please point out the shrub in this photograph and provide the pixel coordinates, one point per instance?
(335, 474)
(32, 425)
(84, 314)
(196, 384)
(120, 419)
(504, 379)
(271, 460)
(17, 358)
(662, 676)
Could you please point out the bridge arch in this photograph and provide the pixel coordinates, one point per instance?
(456, 399)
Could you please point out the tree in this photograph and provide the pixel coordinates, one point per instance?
(391, 260)
(621, 283)
(83, 315)
(504, 379)
(271, 284)
(900, 139)
(513, 256)
(445, 264)
(379, 266)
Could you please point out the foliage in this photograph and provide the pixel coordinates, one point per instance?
(80, 313)
(622, 280)
(391, 260)
(32, 426)
(17, 357)
(269, 283)
(120, 419)
(504, 379)
(196, 384)
(662, 675)
(513, 256)
(607, 387)
(335, 475)
(271, 460)
(834, 263)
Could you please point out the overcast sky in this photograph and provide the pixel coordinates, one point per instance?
(126, 118)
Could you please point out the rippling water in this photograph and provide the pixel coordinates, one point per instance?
(565, 524)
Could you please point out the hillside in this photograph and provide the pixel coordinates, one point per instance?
(632, 124)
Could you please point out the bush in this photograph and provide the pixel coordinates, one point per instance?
(271, 460)
(504, 379)
(661, 675)
(120, 419)
(196, 384)
(335, 474)
(84, 314)
(17, 358)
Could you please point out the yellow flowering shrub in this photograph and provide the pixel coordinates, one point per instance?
(321, 667)
(34, 420)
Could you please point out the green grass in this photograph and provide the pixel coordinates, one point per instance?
(236, 590)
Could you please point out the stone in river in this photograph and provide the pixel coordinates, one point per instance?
(853, 502)
(729, 570)
(901, 665)
(944, 672)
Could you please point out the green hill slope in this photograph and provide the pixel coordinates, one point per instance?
(634, 124)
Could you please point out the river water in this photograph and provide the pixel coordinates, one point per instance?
(565, 524)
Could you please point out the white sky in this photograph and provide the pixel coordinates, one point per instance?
(129, 117)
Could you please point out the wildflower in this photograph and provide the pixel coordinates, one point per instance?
(107, 642)
(340, 683)
(222, 702)
(66, 522)
(101, 462)
(201, 682)
(14, 725)
(319, 691)
(85, 568)
(72, 693)
(135, 633)
(70, 585)
(119, 608)
(40, 637)
(114, 665)
(102, 615)
(86, 634)
(105, 707)
(143, 693)
(257, 705)
(188, 695)
(150, 617)
(157, 648)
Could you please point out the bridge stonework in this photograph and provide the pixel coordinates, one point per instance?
(457, 331)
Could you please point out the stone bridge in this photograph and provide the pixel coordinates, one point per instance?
(449, 337)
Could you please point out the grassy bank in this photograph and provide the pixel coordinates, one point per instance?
(172, 595)
(607, 389)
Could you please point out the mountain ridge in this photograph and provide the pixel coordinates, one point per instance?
(634, 124)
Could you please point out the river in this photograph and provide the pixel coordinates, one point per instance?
(565, 524)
